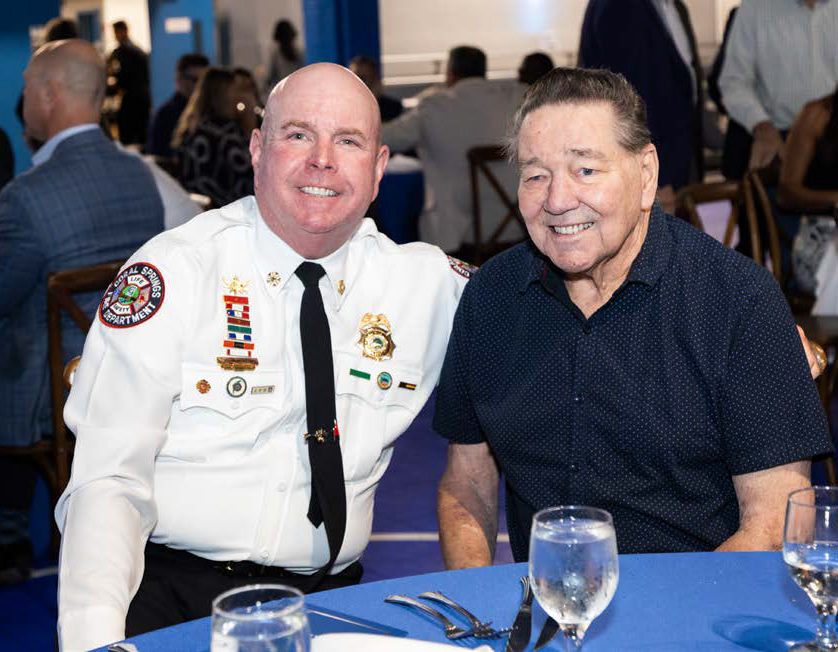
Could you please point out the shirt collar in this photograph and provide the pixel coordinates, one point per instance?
(647, 268)
(46, 150)
(277, 261)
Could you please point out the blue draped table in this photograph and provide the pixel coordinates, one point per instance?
(401, 196)
(707, 602)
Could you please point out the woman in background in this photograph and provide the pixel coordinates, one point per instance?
(211, 148)
(285, 56)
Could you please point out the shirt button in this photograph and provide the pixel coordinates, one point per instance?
(235, 405)
(264, 553)
(586, 329)
(574, 467)
(281, 486)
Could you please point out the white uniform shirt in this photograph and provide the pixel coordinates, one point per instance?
(170, 445)
(780, 55)
(442, 128)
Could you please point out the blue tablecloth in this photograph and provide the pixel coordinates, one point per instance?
(706, 602)
(401, 195)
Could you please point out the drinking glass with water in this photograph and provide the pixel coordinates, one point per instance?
(260, 618)
(810, 549)
(573, 566)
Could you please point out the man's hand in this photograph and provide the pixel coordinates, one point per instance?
(815, 355)
(768, 143)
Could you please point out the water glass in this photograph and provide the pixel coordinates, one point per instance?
(573, 566)
(260, 618)
(810, 549)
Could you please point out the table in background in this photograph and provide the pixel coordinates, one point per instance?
(705, 602)
(401, 196)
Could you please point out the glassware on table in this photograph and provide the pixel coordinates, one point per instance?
(810, 549)
(260, 618)
(573, 566)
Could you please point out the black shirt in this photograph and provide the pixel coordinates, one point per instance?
(692, 372)
(163, 125)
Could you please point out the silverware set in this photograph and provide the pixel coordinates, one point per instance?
(477, 628)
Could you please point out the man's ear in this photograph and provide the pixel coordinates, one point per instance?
(380, 166)
(255, 147)
(649, 167)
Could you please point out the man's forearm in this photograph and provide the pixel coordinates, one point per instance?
(753, 539)
(468, 527)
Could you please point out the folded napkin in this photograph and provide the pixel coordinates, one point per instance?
(375, 643)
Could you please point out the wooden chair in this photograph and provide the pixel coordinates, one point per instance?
(52, 455)
(480, 159)
(689, 198)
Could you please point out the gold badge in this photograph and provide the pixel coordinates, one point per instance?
(341, 287)
(376, 337)
(274, 279)
(203, 386)
(236, 286)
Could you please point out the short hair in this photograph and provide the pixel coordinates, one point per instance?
(191, 60)
(59, 29)
(467, 61)
(534, 66)
(121, 25)
(587, 86)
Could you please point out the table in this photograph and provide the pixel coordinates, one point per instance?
(705, 602)
(401, 196)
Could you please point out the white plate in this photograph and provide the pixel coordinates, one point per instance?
(374, 643)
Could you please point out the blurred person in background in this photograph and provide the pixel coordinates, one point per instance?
(367, 69)
(83, 202)
(128, 72)
(652, 43)
(249, 107)
(534, 66)
(209, 143)
(808, 185)
(285, 56)
(188, 70)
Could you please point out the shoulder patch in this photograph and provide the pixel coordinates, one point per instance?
(133, 297)
(462, 268)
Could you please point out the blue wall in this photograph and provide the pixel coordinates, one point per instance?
(337, 30)
(167, 48)
(15, 50)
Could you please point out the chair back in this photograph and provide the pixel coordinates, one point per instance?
(754, 188)
(61, 288)
(480, 159)
(690, 197)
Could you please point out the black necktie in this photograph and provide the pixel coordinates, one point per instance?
(328, 493)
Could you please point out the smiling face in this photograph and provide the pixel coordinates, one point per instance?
(585, 199)
(317, 159)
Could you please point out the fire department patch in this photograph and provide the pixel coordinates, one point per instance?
(462, 268)
(133, 296)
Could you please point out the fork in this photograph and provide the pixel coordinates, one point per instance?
(481, 629)
(452, 631)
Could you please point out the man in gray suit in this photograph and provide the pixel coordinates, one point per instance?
(84, 202)
(471, 111)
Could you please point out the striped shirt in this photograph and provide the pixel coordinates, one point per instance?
(781, 54)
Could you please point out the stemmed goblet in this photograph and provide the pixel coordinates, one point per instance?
(810, 549)
(573, 566)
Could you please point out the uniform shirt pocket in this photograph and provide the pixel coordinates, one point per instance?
(376, 400)
(221, 413)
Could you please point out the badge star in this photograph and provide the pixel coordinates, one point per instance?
(273, 279)
(236, 286)
(341, 286)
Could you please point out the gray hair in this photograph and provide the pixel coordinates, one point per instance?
(586, 86)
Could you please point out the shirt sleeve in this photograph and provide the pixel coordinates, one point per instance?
(738, 80)
(21, 257)
(771, 413)
(403, 133)
(118, 408)
(455, 417)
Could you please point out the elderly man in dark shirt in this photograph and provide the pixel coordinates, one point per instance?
(621, 358)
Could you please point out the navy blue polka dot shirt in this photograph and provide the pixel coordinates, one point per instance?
(691, 373)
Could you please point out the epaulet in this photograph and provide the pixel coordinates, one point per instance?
(462, 268)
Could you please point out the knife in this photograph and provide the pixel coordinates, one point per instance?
(327, 621)
(551, 627)
(520, 635)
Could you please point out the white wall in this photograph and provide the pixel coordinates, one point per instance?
(133, 12)
(252, 25)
